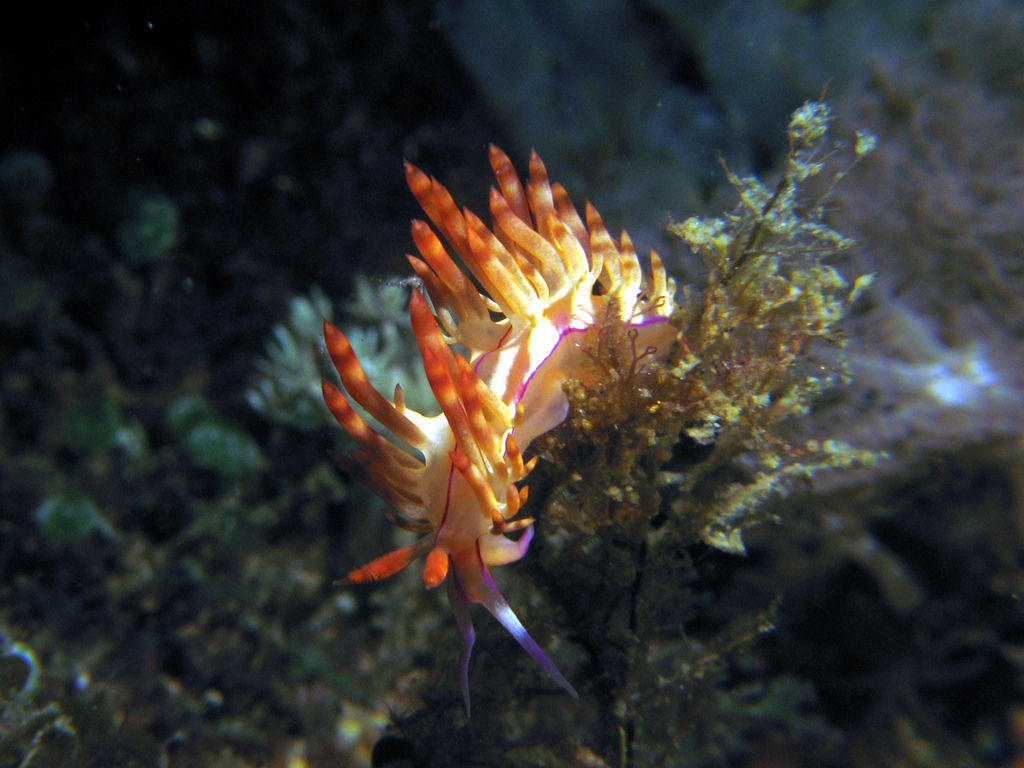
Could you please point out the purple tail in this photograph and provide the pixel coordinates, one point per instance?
(485, 592)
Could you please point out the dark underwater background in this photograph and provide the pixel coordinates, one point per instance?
(188, 189)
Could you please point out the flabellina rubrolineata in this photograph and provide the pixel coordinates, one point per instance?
(539, 279)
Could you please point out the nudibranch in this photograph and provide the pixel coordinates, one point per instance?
(537, 281)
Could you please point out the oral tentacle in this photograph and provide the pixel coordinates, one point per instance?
(466, 634)
(495, 603)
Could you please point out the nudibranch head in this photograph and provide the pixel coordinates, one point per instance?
(538, 278)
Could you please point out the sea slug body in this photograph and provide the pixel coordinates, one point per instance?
(542, 276)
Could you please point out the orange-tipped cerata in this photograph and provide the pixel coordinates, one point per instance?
(534, 280)
(436, 567)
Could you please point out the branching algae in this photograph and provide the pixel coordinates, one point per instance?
(655, 417)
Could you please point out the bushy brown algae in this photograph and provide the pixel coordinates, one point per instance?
(660, 457)
(738, 367)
